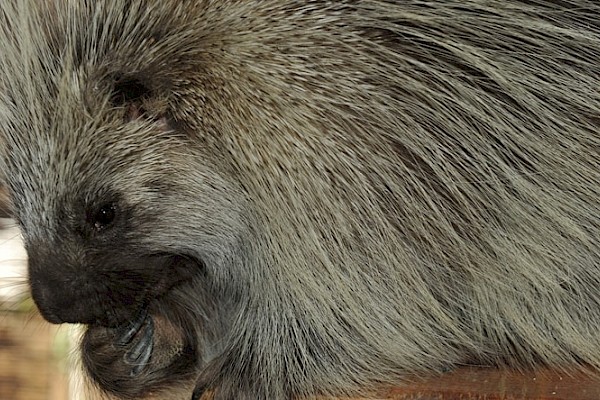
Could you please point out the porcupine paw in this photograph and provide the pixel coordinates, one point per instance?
(118, 357)
(137, 339)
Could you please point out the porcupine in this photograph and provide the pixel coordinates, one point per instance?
(284, 199)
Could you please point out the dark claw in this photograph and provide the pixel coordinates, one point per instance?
(126, 333)
(140, 353)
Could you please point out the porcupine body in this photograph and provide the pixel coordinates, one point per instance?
(284, 199)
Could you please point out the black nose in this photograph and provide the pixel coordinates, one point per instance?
(59, 300)
(57, 290)
(42, 298)
(70, 290)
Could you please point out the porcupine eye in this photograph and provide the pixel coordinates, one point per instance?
(104, 216)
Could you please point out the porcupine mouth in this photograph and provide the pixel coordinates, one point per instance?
(109, 292)
(140, 330)
(179, 270)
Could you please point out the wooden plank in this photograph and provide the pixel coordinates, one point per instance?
(497, 384)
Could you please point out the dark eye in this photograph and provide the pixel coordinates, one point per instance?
(104, 216)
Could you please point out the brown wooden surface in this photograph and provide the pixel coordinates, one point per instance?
(493, 384)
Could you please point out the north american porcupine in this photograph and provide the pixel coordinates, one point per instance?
(275, 199)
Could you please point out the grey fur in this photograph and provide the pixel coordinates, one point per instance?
(372, 189)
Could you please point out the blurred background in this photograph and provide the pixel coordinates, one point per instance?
(34, 355)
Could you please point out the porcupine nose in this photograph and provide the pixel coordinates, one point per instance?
(56, 291)
(57, 301)
(44, 300)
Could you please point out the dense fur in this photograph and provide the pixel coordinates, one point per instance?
(308, 197)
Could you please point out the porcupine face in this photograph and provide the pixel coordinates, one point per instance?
(95, 174)
(88, 196)
(100, 166)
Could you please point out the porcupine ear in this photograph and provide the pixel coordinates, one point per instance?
(133, 94)
(129, 89)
